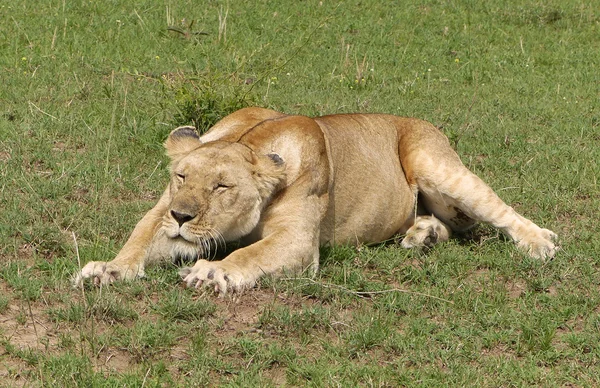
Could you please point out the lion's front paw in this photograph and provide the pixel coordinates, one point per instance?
(102, 272)
(223, 276)
(540, 243)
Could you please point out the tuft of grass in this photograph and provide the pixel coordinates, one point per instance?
(370, 332)
(4, 302)
(109, 307)
(146, 340)
(285, 321)
(183, 306)
(75, 313)
(19, 277)
(202, 105)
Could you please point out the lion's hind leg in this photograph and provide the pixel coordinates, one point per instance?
(426, 232)
(455, 195)
(459, 198)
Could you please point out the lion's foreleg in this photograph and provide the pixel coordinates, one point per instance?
(131, 259)
(288, 244)
(241, 269)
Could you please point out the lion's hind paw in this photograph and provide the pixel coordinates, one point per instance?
(541, 244)
(426, 232)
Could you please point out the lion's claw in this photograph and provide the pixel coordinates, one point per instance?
(102, 272)
(223, 276)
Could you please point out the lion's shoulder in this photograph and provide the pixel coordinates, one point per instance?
(232, 127)
(298, 140)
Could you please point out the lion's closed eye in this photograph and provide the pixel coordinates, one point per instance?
(221, 187)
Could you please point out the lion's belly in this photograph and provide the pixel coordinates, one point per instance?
(371, 199)
(356, 215)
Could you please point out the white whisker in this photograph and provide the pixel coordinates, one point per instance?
(219, 239)
(211, 241)
(207, 245)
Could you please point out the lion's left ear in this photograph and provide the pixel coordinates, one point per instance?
(269, 173)
(181, 141)
(276, 158)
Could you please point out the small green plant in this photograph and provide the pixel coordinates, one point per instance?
(74, 313)
(28, 355)
(66, 368)
(107, 306)
(202, 106)
(370, 331)
(4, 302)
(22, 279)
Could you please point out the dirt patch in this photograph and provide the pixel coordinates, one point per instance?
(114, 361)
(24, 331)
(277, 375)
(241, 314)
(24, 327)
(4, 156)
(516, 288)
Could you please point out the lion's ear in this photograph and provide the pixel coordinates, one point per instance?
(269, 173)
(276, 159)
(181, 141)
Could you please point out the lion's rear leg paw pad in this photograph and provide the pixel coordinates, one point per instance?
(426, 232)
(541, 244)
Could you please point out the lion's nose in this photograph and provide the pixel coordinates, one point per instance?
(181, 218)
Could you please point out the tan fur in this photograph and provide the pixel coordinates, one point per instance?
(286, 184)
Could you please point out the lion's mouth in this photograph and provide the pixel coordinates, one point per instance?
(180, 239)
(184, 238)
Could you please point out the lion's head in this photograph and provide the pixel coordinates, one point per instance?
(217, 191)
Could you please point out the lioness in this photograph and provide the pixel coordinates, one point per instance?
(283, 185)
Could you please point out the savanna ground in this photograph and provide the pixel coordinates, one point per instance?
(90, 89)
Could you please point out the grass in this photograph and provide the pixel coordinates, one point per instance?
(91, 89)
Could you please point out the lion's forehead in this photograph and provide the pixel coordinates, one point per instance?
(214, 170)
(221, 151)
(217, 175)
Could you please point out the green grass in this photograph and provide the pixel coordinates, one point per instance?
(91, 89)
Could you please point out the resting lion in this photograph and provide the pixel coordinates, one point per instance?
(284, 185)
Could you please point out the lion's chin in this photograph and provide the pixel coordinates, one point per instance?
(184, 249)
